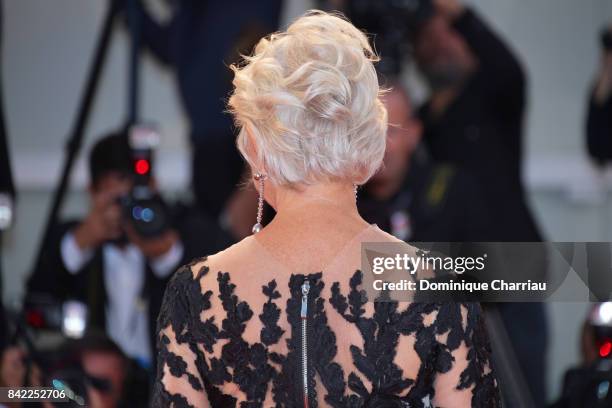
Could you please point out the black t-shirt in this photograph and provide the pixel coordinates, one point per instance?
(436, 203)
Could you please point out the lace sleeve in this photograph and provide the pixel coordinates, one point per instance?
(179, 382)
(465, 375)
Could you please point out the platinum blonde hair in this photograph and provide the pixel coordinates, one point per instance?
(310, 98)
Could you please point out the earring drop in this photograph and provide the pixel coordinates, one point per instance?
(259, 177)
(355, 187)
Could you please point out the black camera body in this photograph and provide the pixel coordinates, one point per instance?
(395, 24)
(144, 207)
(146, 211)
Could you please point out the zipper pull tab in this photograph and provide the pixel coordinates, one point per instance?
(305, 290)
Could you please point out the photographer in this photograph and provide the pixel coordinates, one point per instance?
(103, 262)
(474, 119)
(414, 198)
(198, 42)
(599, 117)
(587, 385)
(93, 367)
(104, 368)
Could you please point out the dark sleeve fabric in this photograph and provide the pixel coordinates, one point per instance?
(499, 69)
(52, 276)
(599, 130)
(476, 219)
(450, 208)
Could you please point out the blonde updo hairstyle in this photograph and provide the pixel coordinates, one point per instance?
(311, 100)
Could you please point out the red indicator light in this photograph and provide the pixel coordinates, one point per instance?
(35, 319)
(142, 166)
(605, 348)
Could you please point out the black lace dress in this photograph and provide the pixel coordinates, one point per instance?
(206, 359)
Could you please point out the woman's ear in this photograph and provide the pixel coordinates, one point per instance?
(252, 151)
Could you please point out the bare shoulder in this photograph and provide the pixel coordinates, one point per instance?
(380, 244)
(229, 259)
(376, 235)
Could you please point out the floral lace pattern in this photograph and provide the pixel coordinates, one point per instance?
(188, 364)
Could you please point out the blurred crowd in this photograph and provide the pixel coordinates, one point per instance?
(452, 173)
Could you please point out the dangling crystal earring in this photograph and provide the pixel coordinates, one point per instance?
(259, 177)
(355, 187)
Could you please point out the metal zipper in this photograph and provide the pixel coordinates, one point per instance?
(304, 316)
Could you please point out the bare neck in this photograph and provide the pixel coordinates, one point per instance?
(324, 210)
(312, 226)
(311, 204)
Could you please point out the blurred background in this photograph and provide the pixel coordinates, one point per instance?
(47, 48)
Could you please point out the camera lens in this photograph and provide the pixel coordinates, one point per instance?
(148, 216)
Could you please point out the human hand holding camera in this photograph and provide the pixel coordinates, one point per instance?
(153, 247)
(103, 223)
(106, 222)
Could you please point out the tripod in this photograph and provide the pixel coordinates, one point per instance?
(75, 139)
